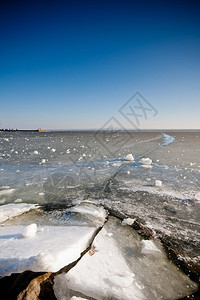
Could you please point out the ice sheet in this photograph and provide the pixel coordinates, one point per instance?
(12, 210)
(49, 249)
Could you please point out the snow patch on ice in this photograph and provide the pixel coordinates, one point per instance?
(30, 230)
(12, 210)
(52, 248)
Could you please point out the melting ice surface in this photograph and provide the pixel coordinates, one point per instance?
(71, 177)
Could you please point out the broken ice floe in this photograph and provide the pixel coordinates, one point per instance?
(6, 191)
(121, 266)
(12, 210)
(97, 212)
(41, 248)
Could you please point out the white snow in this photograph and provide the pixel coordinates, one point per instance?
(129, 157)
(6, 191)
(158, 183)
(128, 221)
(148, 247)
(52, 247)
(30, 230)
(12, 210)
(103, 275)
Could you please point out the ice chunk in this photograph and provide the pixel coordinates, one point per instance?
(5, 187)
(30, 230)
(158, 183)
(52, 248)
(116, 269)
(128, 221)
(146, 161)
(35, 152)
(96, 211)
(12, 210)
(148, 246)
(103, 275)
(53, 150)
(6, 191)
(129, 157)
(197, 196)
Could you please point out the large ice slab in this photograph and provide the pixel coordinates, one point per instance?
(96, 213)
(49, 249)
(12, 210)
(121, 265)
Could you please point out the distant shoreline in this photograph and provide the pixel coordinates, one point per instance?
(100, 130)
(21, 130)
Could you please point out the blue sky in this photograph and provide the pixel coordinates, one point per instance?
(73, 64)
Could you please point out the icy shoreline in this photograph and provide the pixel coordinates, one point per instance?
(101, 267)
(72, 247)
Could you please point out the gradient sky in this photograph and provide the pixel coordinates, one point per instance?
(73, 64)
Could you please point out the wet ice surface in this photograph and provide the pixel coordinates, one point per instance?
(157, 185)
(123, 266)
